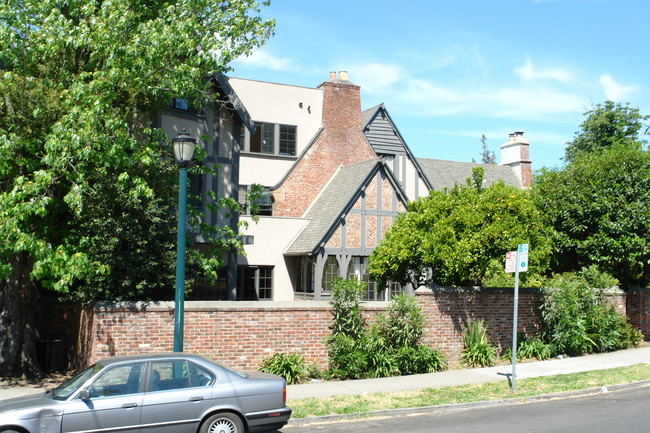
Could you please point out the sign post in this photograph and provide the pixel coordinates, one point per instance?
(516, 261)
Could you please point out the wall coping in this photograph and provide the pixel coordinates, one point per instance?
(139, 306)
(433, 289)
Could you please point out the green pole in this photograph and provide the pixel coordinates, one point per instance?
(179, 298)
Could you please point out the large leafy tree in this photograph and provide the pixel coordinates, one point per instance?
(86, 184)
(599, 203)
(460, 236)
(607, 125)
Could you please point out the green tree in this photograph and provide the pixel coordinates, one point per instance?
(487, 155)
(86, 184)
(599, 206)
(460, 236)
(607, 125)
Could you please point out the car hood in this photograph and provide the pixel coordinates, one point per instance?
(29, 406)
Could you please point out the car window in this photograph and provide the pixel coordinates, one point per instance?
(69, 387)
(168, 375)
(199, 376)
(118, 380)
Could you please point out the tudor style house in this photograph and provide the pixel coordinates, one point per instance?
(334, 178)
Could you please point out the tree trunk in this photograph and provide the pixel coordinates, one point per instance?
(18, 313)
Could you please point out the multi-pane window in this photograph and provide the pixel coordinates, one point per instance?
(287, 140)
(330, 272)
(271, 139)
(264, 202)
(255, 282)
(265, 282)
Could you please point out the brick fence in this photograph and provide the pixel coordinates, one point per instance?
(243, 334)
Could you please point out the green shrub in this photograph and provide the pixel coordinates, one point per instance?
(578, 319)
(391, 346)
(291, 366)
(532, 348)
(478, 351)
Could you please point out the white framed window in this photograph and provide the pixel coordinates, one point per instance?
(270, 139)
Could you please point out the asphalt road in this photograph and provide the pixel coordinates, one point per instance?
(619, 411)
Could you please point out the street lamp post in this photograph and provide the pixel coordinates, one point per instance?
(183, 145)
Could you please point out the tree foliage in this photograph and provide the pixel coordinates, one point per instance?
(460, 236)
(599, 203)
(607, 125)
(86, 186)
(487, 155)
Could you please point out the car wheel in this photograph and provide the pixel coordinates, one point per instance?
(223, 422)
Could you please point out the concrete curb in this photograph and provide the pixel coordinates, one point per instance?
(324, 419)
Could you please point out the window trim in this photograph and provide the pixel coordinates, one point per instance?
(261, 132)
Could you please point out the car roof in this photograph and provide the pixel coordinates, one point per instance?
(149, 357)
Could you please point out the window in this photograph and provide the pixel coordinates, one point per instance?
(180, 104)
(270, 139)
(330, 272)
(304, 275)
(119, 380)
(170, 375)
(358, 269)
(264, 202)
(255, 283)
(287, 140)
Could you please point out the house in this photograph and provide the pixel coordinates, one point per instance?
(334, 177)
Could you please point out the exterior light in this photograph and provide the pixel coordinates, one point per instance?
(184, 146)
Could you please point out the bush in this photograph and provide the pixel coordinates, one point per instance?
(391, 346)
(578, 319)
(291, 366)
(478, 351)
(529, 348)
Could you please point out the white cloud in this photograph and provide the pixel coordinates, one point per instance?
(613, 90)
(528, 72)
(263, 59)
(376, 77)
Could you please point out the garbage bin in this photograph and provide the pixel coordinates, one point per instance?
(51, 355)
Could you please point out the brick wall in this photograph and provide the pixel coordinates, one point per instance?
(638, 309)
(449, 309)
(243, 334)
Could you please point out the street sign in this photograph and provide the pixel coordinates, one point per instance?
(511, 261)
(522, 260)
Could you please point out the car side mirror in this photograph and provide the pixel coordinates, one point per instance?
(84, 394)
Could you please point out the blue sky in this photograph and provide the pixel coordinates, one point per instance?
(450, 71)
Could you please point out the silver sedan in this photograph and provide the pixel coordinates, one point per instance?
(160, 393)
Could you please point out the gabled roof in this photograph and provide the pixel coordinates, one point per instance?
(334, 201)
(230, 97)
(396, 141)
(446, 174)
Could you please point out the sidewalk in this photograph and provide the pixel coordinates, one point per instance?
(552, 367)
(436, 380)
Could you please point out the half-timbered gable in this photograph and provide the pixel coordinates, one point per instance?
(387, 142)
(346, 222)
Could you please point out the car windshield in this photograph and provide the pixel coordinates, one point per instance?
(67, 388)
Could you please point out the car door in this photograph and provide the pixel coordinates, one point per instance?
(177, 394)
(114, 403)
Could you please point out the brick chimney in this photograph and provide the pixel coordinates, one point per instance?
(515, 153)
(341, 142)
